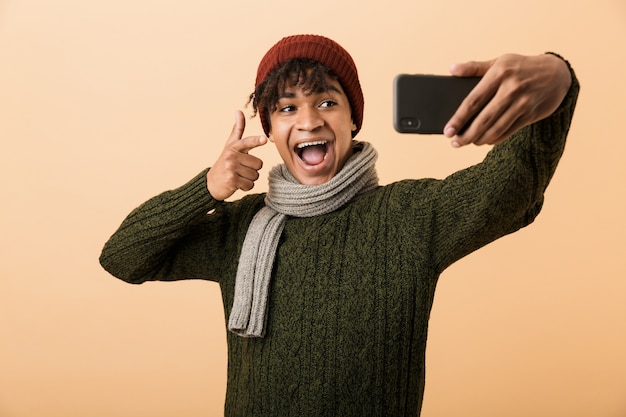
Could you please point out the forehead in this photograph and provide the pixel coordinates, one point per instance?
(307, 86)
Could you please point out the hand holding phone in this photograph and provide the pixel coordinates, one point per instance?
(515, 91)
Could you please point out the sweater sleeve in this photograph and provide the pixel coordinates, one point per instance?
(504, 192)
(171, 236)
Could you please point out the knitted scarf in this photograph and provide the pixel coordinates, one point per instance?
(287, 197)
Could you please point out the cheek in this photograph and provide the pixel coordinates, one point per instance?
(346, 126)
(278, 128)
(277, 137)
(280, 141)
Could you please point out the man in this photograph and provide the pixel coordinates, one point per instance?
(328, 279)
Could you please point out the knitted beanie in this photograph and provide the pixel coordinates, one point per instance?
(325, 51)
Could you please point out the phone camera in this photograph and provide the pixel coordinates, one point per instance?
(410, 122)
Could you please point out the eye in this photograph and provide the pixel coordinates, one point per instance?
(287, 108)
(328, 103)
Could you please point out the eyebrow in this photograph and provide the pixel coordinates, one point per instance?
(287, 94)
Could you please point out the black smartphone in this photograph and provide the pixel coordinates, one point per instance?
(424, 103)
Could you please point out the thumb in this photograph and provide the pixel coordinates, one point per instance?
(470, 68)
(238, 128)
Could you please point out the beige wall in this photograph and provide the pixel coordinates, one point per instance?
(106, 103)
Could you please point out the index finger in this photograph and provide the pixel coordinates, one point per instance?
(248, 143)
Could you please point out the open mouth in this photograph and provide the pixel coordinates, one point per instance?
(312, 153)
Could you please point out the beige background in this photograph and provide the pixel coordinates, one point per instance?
(104, 103)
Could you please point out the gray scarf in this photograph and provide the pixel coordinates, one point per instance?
(287, 197)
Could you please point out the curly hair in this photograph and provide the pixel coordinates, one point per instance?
(309, 74)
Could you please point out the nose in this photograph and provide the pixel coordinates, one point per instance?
(309, 119)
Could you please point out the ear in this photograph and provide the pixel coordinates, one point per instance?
(353, 126)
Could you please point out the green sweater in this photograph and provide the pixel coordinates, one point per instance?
(352, 290)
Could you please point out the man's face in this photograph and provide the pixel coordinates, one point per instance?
(313, 133)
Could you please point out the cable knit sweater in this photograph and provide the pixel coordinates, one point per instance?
(351, 290)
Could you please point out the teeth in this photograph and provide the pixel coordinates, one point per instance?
(305, 144)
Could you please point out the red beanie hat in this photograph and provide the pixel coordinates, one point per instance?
(325, 51)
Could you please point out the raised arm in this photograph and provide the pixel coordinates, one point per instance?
(172, 236)
(506, 191)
